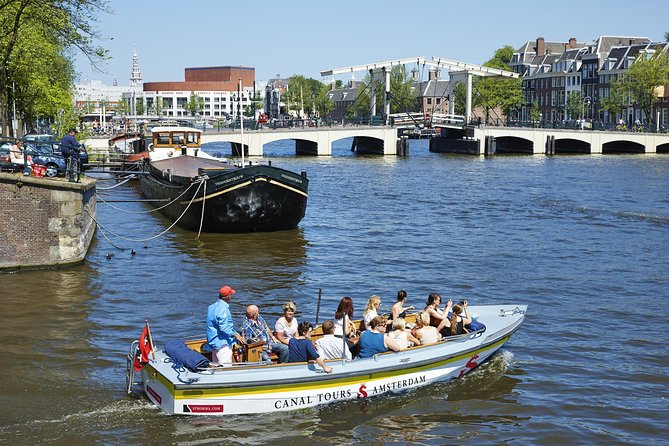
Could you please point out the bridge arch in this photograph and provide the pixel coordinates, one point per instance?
(514, 144)
(571, 145)
(662, 148)
(622, 146)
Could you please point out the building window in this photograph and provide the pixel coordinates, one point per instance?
(429, 101)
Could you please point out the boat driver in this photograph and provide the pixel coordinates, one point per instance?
(221, 333)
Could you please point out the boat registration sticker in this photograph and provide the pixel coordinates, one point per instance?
(203, 408)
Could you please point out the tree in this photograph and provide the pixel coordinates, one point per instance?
(575, 105)
(324, 106)
(139, 106)
(402, 98)
(666, 36)
(499, 92)
(195, 104)
(648, 72)
(614, 102)
(36, 71)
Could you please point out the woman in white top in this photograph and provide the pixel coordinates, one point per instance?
(401, 336)
(426, 333)
(371, 310)
(286, 327)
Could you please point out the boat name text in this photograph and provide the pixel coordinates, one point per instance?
(219, 183)
(293, 179)
(312, 399)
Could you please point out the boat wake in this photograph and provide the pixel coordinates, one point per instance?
(118, 408)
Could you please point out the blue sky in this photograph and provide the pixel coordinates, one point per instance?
(308, 36)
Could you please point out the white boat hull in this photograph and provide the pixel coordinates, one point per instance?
(265, 389)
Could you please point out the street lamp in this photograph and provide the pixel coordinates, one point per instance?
(586, 101)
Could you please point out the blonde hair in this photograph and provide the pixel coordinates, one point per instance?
(424, 318)
(370, 304)
(289, 306)
(399, 324)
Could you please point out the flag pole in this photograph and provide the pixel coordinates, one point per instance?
(153, 348)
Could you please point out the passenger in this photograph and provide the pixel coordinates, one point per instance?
(220, 329)
(255, 328)
(400, 336)
(286, 327)
(371, 310)
(426, 333)
(374, 340)
(398, 309)
(301, 349)
(432, 309)
(345, 308)
(330, 347)
(459, 318)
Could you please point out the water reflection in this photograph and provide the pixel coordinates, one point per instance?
(45, 338)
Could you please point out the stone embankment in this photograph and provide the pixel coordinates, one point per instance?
(46, 222)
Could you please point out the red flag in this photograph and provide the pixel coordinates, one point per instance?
(142, 358)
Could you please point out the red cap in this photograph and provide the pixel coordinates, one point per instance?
(226, 291)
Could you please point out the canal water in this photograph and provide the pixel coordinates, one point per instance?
(583, 240)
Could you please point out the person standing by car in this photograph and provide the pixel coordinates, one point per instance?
(69, 147)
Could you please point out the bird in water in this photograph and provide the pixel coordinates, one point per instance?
(132, 253)
(109, 255)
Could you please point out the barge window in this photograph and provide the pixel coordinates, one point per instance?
(191, 138)
(163, 138)
(177, 138)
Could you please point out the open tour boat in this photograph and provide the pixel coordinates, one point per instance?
(251, 386)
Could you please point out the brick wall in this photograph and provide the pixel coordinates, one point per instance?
(44, 222)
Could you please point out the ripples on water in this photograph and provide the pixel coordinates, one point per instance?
(582, 239)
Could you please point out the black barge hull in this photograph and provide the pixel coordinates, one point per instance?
(251, 199)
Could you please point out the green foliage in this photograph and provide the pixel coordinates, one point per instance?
(648, 72)
(36, 71)
(498, 93)
(614, 102)
(402, 98)
(535, 113)
(195, 104)
(324, 106)
(139, 106)
(574, 106)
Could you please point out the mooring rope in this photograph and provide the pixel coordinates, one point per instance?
(204, 199)
(200, 181)
(119, 184)
(150, 210)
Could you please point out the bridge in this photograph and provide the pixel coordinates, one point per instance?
(311, 140)
(492, 140)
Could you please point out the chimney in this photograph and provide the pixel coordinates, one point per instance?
(549, 51)
(539, 49)
(433, 75)
(572, 43)
(414, 74)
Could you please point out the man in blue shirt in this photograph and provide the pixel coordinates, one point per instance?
(69, 148)
(301, 349)
(221, 333)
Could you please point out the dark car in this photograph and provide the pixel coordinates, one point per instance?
(43, 154)
(46, 140)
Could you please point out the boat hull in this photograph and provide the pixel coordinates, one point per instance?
(266, 389)
(250, 199)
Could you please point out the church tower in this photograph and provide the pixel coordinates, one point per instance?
(136, 75)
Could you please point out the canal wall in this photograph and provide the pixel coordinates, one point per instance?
(45, 222)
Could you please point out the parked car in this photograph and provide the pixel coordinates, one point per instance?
(46, 140)
(43, 154)
(6, 164)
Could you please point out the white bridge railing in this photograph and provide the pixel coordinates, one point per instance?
(400, 119)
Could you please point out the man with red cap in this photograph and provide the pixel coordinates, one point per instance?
(221, 333)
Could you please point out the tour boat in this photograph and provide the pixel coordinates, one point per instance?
(180, 384)
(202, 193)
